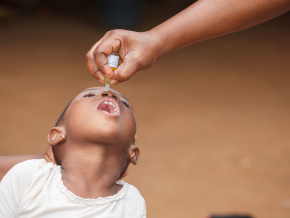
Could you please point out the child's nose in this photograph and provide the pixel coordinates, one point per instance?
(109, 94)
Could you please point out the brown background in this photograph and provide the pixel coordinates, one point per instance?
(213, 118)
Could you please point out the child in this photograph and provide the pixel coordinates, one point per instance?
(93, 143)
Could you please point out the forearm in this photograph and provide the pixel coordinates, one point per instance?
(207, 19)
(7, 162)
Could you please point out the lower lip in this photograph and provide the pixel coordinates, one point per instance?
(108, 114)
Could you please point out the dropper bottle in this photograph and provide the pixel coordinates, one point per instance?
(113, 61)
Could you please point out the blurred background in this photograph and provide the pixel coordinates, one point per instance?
(213, 119)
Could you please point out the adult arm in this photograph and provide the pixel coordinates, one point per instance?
(7, 162)
(202, 20)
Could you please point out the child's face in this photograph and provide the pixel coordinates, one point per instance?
(99, 116)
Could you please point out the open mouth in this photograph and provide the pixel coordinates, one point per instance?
(109, 106)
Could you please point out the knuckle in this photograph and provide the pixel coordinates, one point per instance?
(113, 32)
(123, 76)
(97, 51)
(116, 33)
(138, 63)
(88, 56)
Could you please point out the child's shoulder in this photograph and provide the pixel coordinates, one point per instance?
(26, 174)
(33, 163)
(136, 202)
(132, 191)
(29, 167)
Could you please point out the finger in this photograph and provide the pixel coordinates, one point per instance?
(110, 43)
(91, 51)
(114, 82)
(49, 156)
(94, 70)
(126, 70)
(100, 76)
(104, 49)
(91, 62)
(99, 53)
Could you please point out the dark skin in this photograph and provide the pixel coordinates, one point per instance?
(97, 140)
(203, 20)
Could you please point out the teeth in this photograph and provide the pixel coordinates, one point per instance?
(110, 103)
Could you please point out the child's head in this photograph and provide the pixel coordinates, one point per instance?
(96, 118)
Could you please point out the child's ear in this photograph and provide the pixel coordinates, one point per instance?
(134, 154)
(56, 135)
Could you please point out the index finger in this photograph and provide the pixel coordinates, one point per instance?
(97, 56)
(102, 51)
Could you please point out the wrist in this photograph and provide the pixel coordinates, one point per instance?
(157, 43)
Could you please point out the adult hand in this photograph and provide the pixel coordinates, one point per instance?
(48, 155)
(137, 50)
(202, 20)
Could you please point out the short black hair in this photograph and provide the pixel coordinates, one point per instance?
(62, 114)
(57, 124)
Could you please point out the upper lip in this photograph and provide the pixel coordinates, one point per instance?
(109, 103)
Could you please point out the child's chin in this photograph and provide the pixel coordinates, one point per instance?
(108, 133)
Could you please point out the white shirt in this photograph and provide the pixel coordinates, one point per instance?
(34, 188)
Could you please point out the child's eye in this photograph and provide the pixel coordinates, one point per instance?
(125, 103)
(89, 95)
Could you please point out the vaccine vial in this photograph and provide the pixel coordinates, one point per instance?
(113, 61)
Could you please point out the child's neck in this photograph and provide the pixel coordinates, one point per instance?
(91, 171)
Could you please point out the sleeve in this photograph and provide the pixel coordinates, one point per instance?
(143, 208)
(137, 204)
(12, 187)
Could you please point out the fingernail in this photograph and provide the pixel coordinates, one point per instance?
(102, 77)
(114, 82)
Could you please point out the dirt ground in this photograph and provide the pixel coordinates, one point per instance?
(213, 119)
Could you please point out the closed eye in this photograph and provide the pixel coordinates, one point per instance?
(125, 103)
(89, 95)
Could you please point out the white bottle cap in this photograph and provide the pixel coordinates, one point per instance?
(113, 60)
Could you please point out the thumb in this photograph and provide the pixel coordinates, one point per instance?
(126, 70)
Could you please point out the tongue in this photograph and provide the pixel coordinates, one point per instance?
(107, 108)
